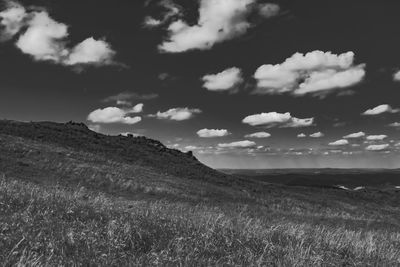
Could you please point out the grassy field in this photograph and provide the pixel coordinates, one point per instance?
(60, 205)
(65, 226)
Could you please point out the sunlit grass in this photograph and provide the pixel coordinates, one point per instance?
(57, 226)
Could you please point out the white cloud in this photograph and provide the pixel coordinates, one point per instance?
(258, 135)
(316, 73)
(113, 115)
(91, 51)
(224, 80)
(396, 76)
(95, 128)
(321, 81)
(238, 144)
(354, 135)
(151, 22)
(394, 124)
(376, 137)
(45, 39)
(219, 20)
(341, 142)
(170, 9)
(385, 108)
(275, 119)
(317, 135)
(302, 135)
(177, 114)
(12, 20)
(137, 109)
(189, 148)
(208, 133)
(377, 147)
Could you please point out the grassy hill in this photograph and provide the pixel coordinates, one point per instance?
(70, 196)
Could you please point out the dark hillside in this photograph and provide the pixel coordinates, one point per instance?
(140, 151)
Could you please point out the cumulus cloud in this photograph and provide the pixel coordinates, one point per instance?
(302, 135)
(376, 137)
(275, 119)
(385, 108)
(396, 76)
(316, 73)
(258, 135)
(394, 124)
(377, 147)
(238, 144)
(354, 135)
(224, 80)
(208, 133)
(45, 39)
(12, 20)
(91, 51)
(317, 135)
(341, 142)
(219, 20)
(114, 115)
(177, 114)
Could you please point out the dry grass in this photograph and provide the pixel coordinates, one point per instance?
(57, 226)
(67, 199)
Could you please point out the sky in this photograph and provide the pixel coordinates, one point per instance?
(241, 83)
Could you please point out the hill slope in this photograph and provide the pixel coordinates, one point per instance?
(69, 196)
(70, 153)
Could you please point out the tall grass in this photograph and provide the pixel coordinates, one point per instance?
(58, 226)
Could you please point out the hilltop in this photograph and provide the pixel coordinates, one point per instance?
(71, 196)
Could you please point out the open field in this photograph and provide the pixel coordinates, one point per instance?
(65, 205)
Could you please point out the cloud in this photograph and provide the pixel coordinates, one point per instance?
(91, 51)
(125, 98)
(377, 147)
(376, 137)
(219, 20)
(238, 144)
(317, 73)
(302, 135)
(394, 124)
(45, 39)
(95, 128)
(396, 76)
(137, 109)
(224, 80)
(268, 10)
(151, 22)
(354, 135)
(208, 133)
(177, 114)
(275, 119)
(114, 115)
(258, 135)
(12, 20)
(317, 135)
(169, 10)
(385, 108)
(341, 142)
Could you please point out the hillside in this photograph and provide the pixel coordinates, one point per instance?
(70, 153)
(70, 196)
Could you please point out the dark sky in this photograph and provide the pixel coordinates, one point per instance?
(96, 60)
